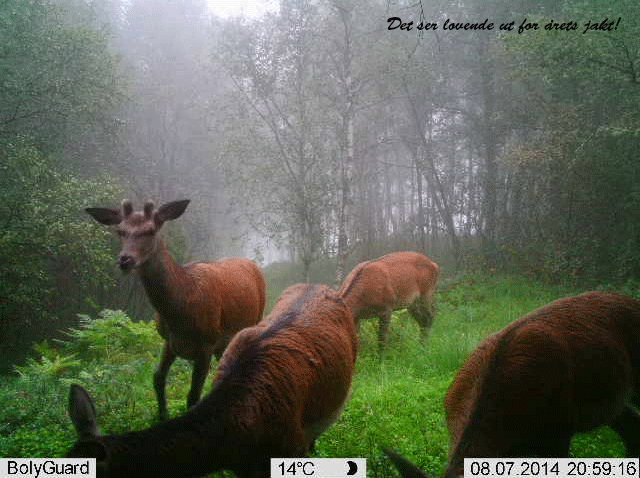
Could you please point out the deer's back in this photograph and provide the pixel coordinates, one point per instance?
(392, 281)
(410, 274)
(306, 349)
(569, 365)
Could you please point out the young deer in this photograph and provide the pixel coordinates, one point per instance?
(566, 368)
(398, 280)
(279, 385)
(199, 306)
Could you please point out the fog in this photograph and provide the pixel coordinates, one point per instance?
(500, 136)
(245, 8)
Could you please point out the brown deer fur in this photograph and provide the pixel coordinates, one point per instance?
(395, 281)
(566, 368)
(199, 306)
(279, 385)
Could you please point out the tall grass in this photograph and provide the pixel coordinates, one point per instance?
(397, 398)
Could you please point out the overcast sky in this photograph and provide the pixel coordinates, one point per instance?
(250, 8)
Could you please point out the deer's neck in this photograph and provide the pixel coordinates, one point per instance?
(166, 282)
(351, 296)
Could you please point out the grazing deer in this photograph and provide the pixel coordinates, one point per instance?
(566, 368)
(398, 280)
(279, 385)
(199, 306)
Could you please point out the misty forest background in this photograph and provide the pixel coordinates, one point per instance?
(310, 139)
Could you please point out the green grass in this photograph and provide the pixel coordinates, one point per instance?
(397, 398)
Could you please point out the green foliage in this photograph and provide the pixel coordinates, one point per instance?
(397, 398)
(110, 355)
(50, 257)
(48, 364)
(58, 79)
(573, 170)
(56, 366)
(60, 90)
(112, 336)
(33, 416)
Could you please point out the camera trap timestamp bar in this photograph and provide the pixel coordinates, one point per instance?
(551, 468)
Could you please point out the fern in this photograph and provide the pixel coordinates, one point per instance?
(112, 336)
(52, 366)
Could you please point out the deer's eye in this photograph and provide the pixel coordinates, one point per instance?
(121, 233)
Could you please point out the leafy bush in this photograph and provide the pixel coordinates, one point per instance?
(55, 366)
(113, 336)
(46, 246)
(111, 356)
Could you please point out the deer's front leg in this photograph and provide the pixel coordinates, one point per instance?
(160, 379)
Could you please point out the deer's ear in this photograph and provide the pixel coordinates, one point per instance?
(127, 208)
(148, 209)
(105, 215)
(82, 412)
(171, 210)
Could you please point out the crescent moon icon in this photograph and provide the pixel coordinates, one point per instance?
(353, 467)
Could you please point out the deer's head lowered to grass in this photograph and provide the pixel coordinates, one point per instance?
(280, 384)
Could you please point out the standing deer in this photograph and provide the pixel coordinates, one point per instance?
(569, 367)
(398, 280)
(199, 306)
(280, 384)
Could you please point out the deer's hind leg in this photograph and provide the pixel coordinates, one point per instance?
(422, 312)
(383, 329)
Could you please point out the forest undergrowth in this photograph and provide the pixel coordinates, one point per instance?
(397, 398)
